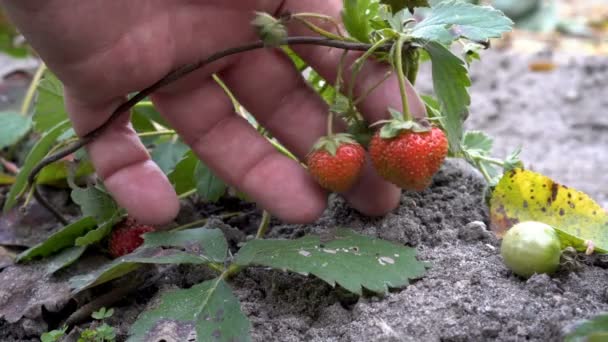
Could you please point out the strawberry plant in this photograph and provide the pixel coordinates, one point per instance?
(406, 150)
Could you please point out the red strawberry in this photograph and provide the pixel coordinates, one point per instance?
(409, 159)
(336, 162)
(126, 237)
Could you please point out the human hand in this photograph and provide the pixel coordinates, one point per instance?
(103, 51)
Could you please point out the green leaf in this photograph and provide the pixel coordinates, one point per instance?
(357, 15)
(351, 260)
(168, 154)
(13, 126)
(53, 335)
(49, 109)
(452, 19)
(450, 81)
(59, 240)
(205, 312)
(182, 176)
(103, 229)
(63, 259)
(198, 246)
(95, 203)
(102, 313)
(592, 330)
(477, 143)
(105, 332)
(208, 186)
(398, 5)
(37, 153)
(57, 173)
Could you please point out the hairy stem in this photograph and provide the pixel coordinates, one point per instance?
(401, 77)
(169, 78)
(264, 224)
(31, 91)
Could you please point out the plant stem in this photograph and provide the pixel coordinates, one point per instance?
(169, 78)
(340, 36)
(264, 224)
(358, 65)
(202, 222)
(398, 62)
(31, 90)
(492, 160)
(372, 88)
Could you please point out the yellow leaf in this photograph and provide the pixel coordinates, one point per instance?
(523, 195)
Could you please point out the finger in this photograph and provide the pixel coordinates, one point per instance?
(238, 154)
(325, 61)
(122, 162)
(297, 116)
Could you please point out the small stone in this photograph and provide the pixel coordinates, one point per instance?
(572, 95)
(473, 231)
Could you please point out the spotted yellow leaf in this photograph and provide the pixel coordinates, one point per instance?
(523, 195)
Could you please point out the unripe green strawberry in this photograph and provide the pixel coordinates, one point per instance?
(126, 237)
(410, 159)
(336, 162)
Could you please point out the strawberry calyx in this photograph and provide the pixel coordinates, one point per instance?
(397, 124)
(332, 142)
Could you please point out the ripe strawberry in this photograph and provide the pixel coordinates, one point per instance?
(126, 237)
(409, 159)
(336, 162)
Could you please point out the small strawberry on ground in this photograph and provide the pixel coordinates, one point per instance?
(336, 161)
(407, 153)
(126, 237)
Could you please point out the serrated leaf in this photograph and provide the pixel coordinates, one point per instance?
(357, 15)
(49, 108)
(103, 229)
(452, 19)
(591, 330)
(193, 246)
(523, 195)
(168, 154)
(398, 5)
(450, 81)
(63, 259)
(205, 312)
(208, 185)
(182, 176)
(477, 143)
(59, 240)
(95, 203)
(13, 126)
(351, 260)
(37, 153)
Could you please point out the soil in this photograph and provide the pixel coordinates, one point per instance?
(468, 294)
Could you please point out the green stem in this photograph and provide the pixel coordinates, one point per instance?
(264, 224)
(484, 172)
(491, 160)
(31, 90)
(202, 222)
(340, 36)
(398, 62)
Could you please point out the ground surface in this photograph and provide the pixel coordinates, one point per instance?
(468, 294)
